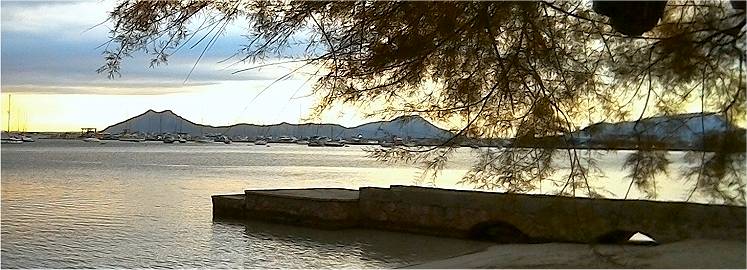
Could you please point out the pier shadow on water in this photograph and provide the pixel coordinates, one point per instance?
(317, 248)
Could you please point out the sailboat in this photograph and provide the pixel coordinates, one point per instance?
(202, 138)
(10, 138)
(225, 139)
(262, 140)
(181, 135)
(299, 138)
(25, 138)
(332, 142)
(316, 141)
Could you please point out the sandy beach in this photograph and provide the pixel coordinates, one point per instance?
(696, 253)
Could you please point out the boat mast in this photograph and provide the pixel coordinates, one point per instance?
(298, 125)
(9, 96)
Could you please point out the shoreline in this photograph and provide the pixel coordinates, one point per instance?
(692, 253)
(479, 146)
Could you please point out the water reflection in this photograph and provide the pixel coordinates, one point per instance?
(285, 246)
(70, 204)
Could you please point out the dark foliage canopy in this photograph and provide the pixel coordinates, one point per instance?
(498, 69)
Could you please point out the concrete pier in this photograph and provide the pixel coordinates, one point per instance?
(497, 216)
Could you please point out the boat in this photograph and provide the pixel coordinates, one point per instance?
(334, 144)
(105, 136)
(260, 142)
(316, 143)
(181, 137)
(130, 138)
(25, 138)
(168, 139)
(358, 139)
(286, 139)
(386, 144)
(398, 141)
(8, 139)
(223, 138)
(93, 140)
(11, 141)
(202, 139)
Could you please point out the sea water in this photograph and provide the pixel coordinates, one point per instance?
(72, 204)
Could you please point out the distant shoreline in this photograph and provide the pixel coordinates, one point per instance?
(598, 148)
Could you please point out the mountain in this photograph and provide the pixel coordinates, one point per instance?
(169, 122)
(672, 128)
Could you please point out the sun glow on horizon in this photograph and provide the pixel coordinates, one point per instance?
(221, 104)
(217, 105)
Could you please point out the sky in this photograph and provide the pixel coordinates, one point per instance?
(49, 58)
(50, 52)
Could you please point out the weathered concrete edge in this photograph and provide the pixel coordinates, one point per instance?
(297, 210)
(554, 197)
(262, 192)
(431, 211)
(551, 218)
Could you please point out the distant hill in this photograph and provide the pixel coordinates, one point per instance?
(680, 127)
(169, 122)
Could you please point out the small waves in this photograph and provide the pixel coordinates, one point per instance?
(141, 206)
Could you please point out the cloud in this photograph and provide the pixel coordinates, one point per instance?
(54, 17)
(43, 51)
(71, 70)
(139, 89)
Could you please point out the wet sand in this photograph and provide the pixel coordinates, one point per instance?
(697, 253)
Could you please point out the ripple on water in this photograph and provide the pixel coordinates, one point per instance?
(73, 205)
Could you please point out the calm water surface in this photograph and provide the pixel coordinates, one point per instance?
(71, 204)
(75, 204)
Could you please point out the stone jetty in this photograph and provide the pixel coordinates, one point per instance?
(501, 217)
